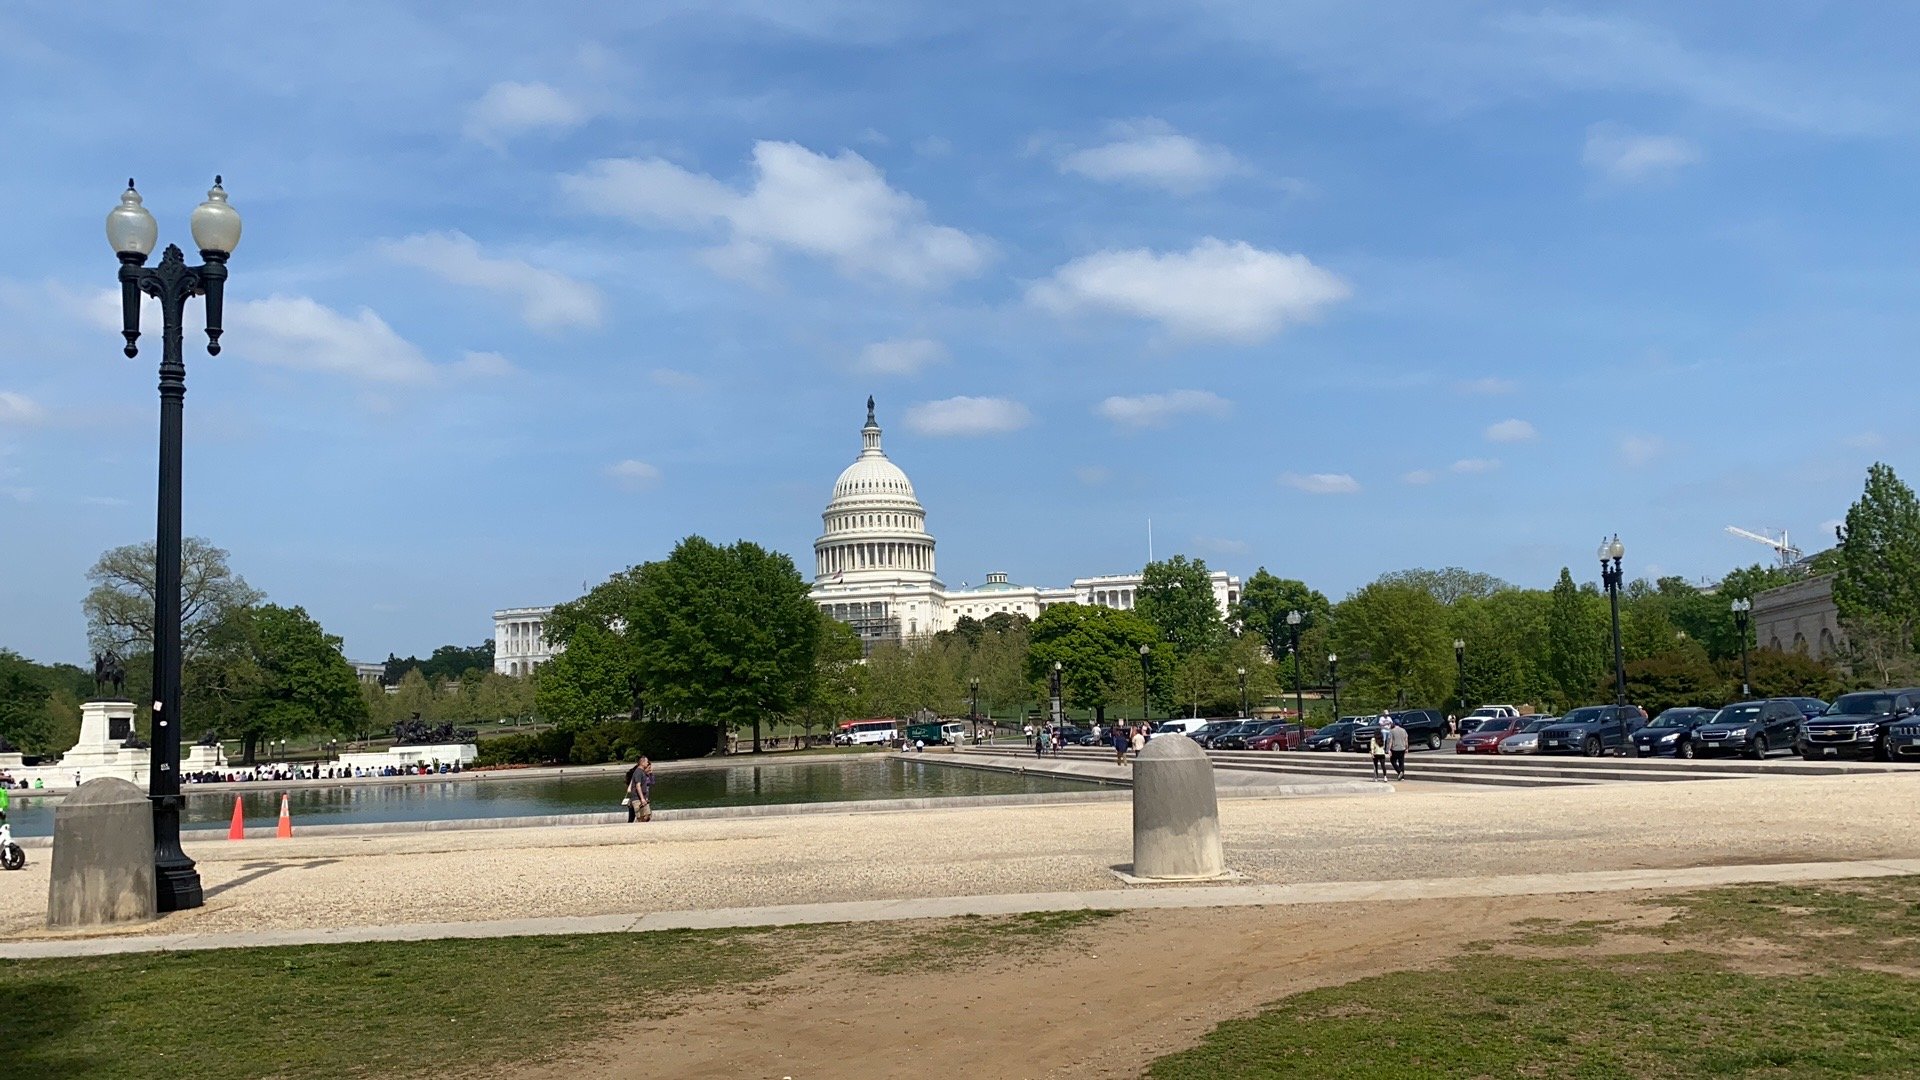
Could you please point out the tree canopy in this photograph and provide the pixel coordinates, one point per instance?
(1176, 597)
(1097, 649)
(120, 605)
(1877, 583)
(271, 672)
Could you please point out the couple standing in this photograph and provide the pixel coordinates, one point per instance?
(639, 800)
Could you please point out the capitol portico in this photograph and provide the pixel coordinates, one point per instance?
(874, 570)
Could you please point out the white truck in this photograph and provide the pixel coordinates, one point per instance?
(1485, 713)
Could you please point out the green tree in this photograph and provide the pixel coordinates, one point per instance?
(120, 605)
(1778, 673)
(1576, 640)
(447, 662)
(838, 678)
(1679, 676)
(1877, 584)
(596, 678)
(272, 672)
(1394, 645)
(1092, 644)
(1265, 601)
(1449, 585)
(1176, 596)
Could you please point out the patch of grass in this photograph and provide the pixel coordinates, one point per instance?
(1680, 1014)
(970, 939)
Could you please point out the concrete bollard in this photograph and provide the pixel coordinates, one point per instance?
(1176, 816)
(102, 856)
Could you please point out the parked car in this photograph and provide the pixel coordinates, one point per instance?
(1810, 707)
(1593, 730)
(1903, 739)
(1212, 729)
(1177, 726)
(1857, 725)
(1425, 727)
(1527, 739)
(1473, 720)
(1279, 737)
(1486, 736)
(1671, 732)
(1749, 727)
(1335, 736)
(1235, 738)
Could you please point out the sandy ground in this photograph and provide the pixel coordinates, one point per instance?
(665, 866)
(1103, 1004)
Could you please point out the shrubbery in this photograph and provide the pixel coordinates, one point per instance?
(620, 740)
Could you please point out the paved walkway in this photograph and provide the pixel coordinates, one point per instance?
(1156, 898)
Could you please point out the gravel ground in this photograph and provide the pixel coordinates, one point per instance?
(1434, 831)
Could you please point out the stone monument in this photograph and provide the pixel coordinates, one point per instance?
(1176, 815)
(102, 857)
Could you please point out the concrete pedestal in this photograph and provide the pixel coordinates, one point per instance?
(1176, 815)
(102, 857)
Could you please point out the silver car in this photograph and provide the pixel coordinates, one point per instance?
(1527, 739)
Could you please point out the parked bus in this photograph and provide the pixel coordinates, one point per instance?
(866, 733)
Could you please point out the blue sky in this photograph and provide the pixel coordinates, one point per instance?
(526, 294)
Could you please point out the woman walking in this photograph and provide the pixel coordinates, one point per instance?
(1378, 745)
(640, 791)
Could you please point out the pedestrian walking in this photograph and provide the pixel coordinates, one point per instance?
(1397, 750)
(1377, 746)
(1139, 741)
(639, 798)
(1117, 738)
(1040, 742)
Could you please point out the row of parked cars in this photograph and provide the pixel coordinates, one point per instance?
(1882, 725)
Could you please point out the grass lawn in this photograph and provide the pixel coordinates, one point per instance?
(1784, 981)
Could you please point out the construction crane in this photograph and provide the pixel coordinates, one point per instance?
(1782, 547)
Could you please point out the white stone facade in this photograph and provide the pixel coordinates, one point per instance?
(519, 639)
(1800, 617)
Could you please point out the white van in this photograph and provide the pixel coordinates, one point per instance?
(1177, 727)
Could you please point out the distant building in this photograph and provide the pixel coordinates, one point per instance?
(1800, 617)
(371, 674)
(519, 641)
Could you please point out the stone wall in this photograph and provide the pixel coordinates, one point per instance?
(1799, 618)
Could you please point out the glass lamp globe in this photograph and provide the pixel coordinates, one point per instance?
(130, 227)
(215, 223)
(1616, 548)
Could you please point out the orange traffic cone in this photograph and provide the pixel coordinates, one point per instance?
(238, 830)
(285, 832)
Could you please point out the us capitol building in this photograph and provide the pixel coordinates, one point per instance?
(874, 570)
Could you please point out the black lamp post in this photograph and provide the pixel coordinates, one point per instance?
(1053, 692)
(973, 706)
(132, 232)
(1293, 637)
(1611, 576)
(1243, 692)
(1742, 609)
(1146, 684)
(1333, 676)
(1460, 676)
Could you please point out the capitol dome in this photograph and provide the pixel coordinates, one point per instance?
(875, 528)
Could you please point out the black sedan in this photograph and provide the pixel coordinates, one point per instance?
(1335, 736)
(1235, 737)
(1671, 732)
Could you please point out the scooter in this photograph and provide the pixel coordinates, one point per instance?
(12, 855)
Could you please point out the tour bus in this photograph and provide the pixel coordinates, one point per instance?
(866, 733)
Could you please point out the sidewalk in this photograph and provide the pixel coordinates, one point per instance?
(1135, 899)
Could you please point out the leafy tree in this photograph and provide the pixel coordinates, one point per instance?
(1394, 645)
(1877, 584)
(1449, 585)
(1778, 673)
(1265, 601)
(838, 678)
(1092, 644)
(596, 678)
(271, 672)
(120, 606)
(1682, 676)
(1576, 640)
(1176, 596)
(446, 662)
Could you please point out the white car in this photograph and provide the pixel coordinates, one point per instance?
(1527, 739)
(1484, 713)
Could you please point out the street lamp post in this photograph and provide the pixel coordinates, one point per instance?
(973, 706)
(1742, 609)
(1611, 576)
(1293, 637)
(1242, 672)
(1053, 692)
(1333, 676)
(132, 232)
(1460, 676)
(1146, 683)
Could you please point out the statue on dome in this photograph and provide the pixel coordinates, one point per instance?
(870, 420)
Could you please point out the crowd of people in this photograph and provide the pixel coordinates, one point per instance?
(1124, 740)
(288, 771)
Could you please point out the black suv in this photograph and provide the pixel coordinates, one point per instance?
(1671, 732)
(1425, 727)
(1751, 728)
(1335, 736)
(1859, 725)
(1593, 730)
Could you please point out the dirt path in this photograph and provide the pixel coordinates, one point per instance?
(1104, 1002)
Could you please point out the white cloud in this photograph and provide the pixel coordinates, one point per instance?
(901, 356)
(484, 365)
(1152, 153)
(968, 416)
(1511, 431)
(1626, 158)
(508, 109)
(1420, 477)
(676, 380)
(632, 475)
(1321, 483)
(836, 208)
(548, 299)
(19, 410)
(1474, 465)
(1216, 290)
(1157, 410)
(1488, 386)
(1638, 451)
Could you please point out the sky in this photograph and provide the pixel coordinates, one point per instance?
(525, 295)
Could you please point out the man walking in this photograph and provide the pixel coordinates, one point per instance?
(1120, 743)
(1397, 750)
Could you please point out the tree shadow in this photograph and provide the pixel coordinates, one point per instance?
(41, 1015)
(260, 870)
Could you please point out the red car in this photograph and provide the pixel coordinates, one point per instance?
(1485, 739)
(1280, 737)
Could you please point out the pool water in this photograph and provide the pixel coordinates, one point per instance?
(501, 795)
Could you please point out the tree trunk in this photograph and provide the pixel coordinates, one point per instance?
(756, 733)
(251, 738)
(1099, 716)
